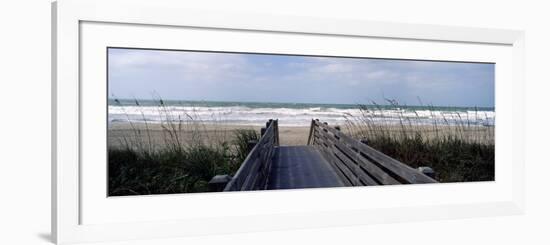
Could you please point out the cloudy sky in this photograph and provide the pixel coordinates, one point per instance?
(183, 75)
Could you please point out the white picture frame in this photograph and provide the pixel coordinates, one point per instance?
(68, 19)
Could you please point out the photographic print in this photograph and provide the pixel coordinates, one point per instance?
(205, 121)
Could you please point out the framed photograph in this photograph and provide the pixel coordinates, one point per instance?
(175, 122)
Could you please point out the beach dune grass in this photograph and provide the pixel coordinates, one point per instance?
(174, 170)
(458, 150)
(453, 160)
(190, 153)
(178, 165)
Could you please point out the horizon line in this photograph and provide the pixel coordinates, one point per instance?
(313, 103)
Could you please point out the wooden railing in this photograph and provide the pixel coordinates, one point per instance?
(359, 164)
(254, 171)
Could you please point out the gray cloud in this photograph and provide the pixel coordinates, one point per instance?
(276, 78)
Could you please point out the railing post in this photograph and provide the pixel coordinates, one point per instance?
(311, 130)
(427, 171)
(276, 129)
(218, 182)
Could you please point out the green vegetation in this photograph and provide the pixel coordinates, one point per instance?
(179, 164)
(453, 160)
(458, 150)
(189, 153)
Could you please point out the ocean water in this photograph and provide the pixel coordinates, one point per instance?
(290, 114)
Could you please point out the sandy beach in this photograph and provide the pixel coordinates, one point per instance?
(288, 135)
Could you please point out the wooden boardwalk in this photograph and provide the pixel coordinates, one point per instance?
(301, 167)
(330, 159)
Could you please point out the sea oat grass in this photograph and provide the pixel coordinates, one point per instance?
(458, 149)
(182, 163)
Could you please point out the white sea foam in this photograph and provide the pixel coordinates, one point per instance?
(293, 116)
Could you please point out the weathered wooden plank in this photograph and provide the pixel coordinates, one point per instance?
(405, 172)
(251, 176)
(365, 165)
(351, 161)
(409, 174)
(345, 174)
(386, 169)
(253, 172)
(266, 167)
(317, 139)
(237, 181)
(345, 171)
(363, 176)
(349, 169)
(301, 167)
